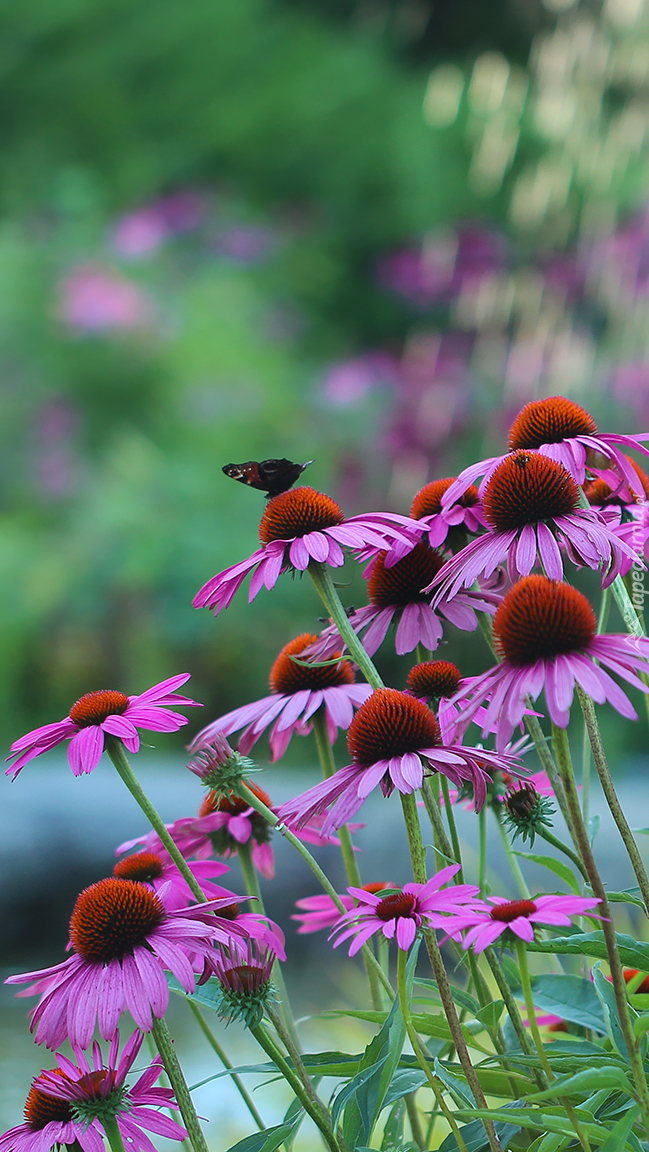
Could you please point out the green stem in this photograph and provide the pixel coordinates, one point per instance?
(111, 1128)
(321, 577)
(601, 763)
(402, 958)
(512, 858)
(452, 826)
(548, 762)
(423, 654)
(115, 750)
(491, 956)
(298, 1064)
(179, 1084)
(226, 1062)
(322, 877)
(317, 1112)
(550, 838)
(251, 880)
(482, 848)
(418, 859)
(562, 749)
(328, 765)
(414, 1121)
(443, 850)
(521, 954)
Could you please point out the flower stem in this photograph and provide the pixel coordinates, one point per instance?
(113, 1134)
(321, 577)
(418, 859)
(422, 1060)
(452, 826)
(562, 749)
(482, 848)
(328, 765)
(179, 1084)
(251, 881)
(317, 1112)
(521, 955)
(491, 956)
(601, 763)
(322, 877)
(226, 1062)
(550, 838)
(115, 750)
(443, 849)
(511, 858)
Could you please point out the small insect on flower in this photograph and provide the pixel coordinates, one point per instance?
(123, 940)
(298, 527)
(69, 1104)
(298, 691)
(107, 712)
(486, 921)
(402, 912)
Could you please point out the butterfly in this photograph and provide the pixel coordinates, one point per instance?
(269, 476)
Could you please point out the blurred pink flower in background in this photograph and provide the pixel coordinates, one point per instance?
(94, 299)
(350, 381)
(140, 233)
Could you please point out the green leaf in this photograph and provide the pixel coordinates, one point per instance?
(633, 953)
(604, 990)
(550, 1120)
(572, 998)
(557, 866)
(407, 1080)
(475, 1137)
(588, 1080)
(618, 1136)
(460, 1090)
(348, 1091)
(266, 1141)
(593, 828)
(393, 1130)
(490, 1014)
(627, 896)
(549, 1143)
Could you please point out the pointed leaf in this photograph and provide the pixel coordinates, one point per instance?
(460, 1090)
(604, 990)
(408, 1080)
(266, 1141)
(619, 1134)
(633, 953)
(573, 998)
(349, 1090)
(588, 1080)
(557, 866)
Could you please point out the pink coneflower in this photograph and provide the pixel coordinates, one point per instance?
(435, 682)
(547, 633)
(401, 913)
(123, 940)
(224, 822)
(164, 877)
(395, 594)
(394, 739)
(102, 712)
(297, 527)
(486, 921)
(565, 432)
(68, 1104)
(442, 521)
(321, 912)
(298, 691)
(245, 982)
(531, 504)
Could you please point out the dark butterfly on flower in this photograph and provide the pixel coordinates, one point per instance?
(269, 476)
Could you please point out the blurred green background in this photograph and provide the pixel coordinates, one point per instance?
(359, 231)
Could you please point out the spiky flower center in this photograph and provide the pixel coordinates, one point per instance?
(245, 979)
(41, 1109)
(112, 917)
(428, 500)
(230, 912)
(288, 677)
(505, 913)
(402, 584)
(540, 619)
(599, 492)
(548, 422)
(521, 802)
(376, 886)
(395, 906)
(434, 679)
(230, 802)
(95, 707)
(143, 866)
(527, 487)
(390, 724)
(298, 512)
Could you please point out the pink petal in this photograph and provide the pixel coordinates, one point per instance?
(85, 749)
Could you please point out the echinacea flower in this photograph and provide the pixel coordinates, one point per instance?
(547, 633)
(434, 682)
(394, 740)
(485, 922)
(244, 982)
(565, 432)
(67, 1105)
(224, 822)
(320, 911)
(105, 712)
(442, 521)
(297, 527)
(123, 940)
(395, 594)
(297, 692)
(532, 504)
(400, 914)
(167, 882)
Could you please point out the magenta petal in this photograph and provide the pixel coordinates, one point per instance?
(85, 749)
(119, 726)
(240, 828)
(406, 932)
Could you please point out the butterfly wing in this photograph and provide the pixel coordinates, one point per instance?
(270, 476)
